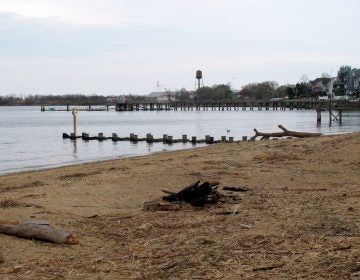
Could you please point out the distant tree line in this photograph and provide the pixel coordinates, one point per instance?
(215, 93)
(61, 100)
(32, 100)
(253, 91)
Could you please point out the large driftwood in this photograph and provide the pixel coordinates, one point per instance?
(285, 133)
(38, 230)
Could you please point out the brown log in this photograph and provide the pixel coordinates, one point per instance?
(38, 230)
(286, 133)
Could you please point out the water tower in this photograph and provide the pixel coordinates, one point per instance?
(199, 78)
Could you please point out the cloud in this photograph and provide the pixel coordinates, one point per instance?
(79, 12)
(129, 45)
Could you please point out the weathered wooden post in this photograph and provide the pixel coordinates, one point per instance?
(114, 137)
(223, 138)
(170, 139)
(340, 116)
(101, 136)
(74, 113)
(244, 138)
(207, 139)
(193, 139)
(211, 140)
(231, 139)
(318, 116)
(131, 137)
(184, 138)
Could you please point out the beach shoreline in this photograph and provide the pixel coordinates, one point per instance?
(302, 212)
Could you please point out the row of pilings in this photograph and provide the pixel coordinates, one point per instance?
(166, 139)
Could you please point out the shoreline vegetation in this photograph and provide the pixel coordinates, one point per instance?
(300, 217)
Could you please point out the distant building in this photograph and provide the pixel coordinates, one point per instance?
(348, 81)
(321, 86)
(163, 96)
(112, 99)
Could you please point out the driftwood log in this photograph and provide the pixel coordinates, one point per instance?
(38, 230)
(285, 133)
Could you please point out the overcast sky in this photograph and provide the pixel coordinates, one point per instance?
(120, 47)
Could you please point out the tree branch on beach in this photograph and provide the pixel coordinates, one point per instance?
(284, 133)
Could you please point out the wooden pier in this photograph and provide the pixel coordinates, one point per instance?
(68, 108)
(235, 105)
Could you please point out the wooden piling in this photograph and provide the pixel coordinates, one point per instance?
(184, 138)
(340, 116)
(223, 138)
(193, 139)
(74, 113)
(318, 116)
(244, 138)
(231, 139)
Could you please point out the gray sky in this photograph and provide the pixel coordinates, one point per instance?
(121, 47)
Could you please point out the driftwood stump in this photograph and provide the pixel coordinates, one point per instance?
(38, 230)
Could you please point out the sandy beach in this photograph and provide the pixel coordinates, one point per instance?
(300, 218)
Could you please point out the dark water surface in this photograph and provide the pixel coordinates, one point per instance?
(30, 139)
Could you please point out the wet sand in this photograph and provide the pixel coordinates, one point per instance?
(300, 218)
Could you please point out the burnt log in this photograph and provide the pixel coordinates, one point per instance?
(235, 189)
(197, 194)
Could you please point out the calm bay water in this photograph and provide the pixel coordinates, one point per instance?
(31, 140)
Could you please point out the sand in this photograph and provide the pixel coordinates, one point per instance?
(300, 219)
